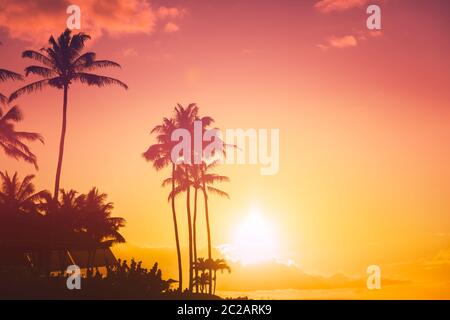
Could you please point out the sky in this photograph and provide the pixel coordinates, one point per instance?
(363, 119)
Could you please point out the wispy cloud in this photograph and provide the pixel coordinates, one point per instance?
(171, 27)
(327, 6)
(343, 42)
(166, 12)
(347, 41)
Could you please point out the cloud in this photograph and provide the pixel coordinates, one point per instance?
(343, 42)
(34, 21)
(166, 12)
(347, 41)
(171, 27)
(327, 6)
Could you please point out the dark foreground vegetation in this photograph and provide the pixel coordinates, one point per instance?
(121, 281)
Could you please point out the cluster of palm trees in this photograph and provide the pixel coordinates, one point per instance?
(32, 222)
(206, 268)
(187, 176)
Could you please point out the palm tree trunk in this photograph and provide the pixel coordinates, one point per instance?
(177, 240)
(195, 236)
(188, 205)
(61, 144)
(208, 231)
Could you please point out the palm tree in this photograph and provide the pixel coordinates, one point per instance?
(64, 63)
(97, 223)
(18, 197)
(195, 182)
(184, 118)
(202, 276)
(208, 178)
(217, 265)
(160, 155)
(19, 210)
(12, 141)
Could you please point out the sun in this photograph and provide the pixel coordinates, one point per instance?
(254, 240)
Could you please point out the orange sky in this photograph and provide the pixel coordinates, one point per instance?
(364, 128)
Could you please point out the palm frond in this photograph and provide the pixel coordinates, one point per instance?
(40, 71)
(14, 114)
(99, 64)
(9, 75)
(35, 86)
(3, 99)
(218, 192)
(29, 136)
(31, 54)
(77, 42)
(97, 80)
(85, 59)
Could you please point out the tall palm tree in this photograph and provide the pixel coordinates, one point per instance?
(160, 155)
(195, 182)
(13, 142)
(184, 118)
(207, 179)
(63, 63)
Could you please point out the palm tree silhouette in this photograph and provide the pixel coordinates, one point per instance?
(217, 265)
(12, 141)
(195, 182)
(82, 222)
(20, 227)
(184, 118)
(62, 64)
(202, 278)
(160, 155)
(207, 179)
(17, 196)
(97, 223)
(194, 170)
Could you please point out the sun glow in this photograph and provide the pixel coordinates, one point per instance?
(254, 240)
